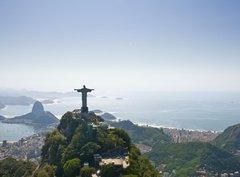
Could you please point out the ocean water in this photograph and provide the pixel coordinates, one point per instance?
(14, 132)
(196, 110)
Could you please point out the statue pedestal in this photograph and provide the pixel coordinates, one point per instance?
(84, 113)
(84, 110)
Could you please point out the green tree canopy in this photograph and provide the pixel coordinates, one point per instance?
(109, 171)
(46, 171)
(87, 171)
(72, 167)
(11, 167)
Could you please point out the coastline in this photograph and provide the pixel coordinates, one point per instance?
(186, 135)
(175, 132)
(175, 128)
(206, 119)
(117, 119)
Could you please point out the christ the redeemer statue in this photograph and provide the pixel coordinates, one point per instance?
(84, 92)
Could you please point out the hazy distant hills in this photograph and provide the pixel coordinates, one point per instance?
(38, 94)
(37, 116)
(229, 139)
(26, 97)
(10, 100)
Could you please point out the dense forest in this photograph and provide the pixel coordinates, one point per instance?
(10, 167)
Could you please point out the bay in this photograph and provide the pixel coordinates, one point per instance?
(14, 132)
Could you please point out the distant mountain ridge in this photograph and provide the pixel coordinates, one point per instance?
(37, 116)
(188, 158)
(38, 94)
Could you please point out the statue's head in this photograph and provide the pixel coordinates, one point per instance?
(84, 86)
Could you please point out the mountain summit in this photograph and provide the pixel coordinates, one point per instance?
(37, 116)
(38, 108)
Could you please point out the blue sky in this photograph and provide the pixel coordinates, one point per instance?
(121, 45)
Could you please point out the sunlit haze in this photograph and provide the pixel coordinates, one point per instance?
(120, 45)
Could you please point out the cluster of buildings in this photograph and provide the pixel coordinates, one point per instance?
(120, 160)
(28, 148)
(203, 173)
(183, 136)
(235, 174)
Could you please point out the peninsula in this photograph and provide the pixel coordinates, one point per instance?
(37, 117)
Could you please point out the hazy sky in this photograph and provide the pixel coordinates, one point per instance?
(120, 44)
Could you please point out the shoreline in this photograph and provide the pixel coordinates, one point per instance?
(186, 135)
(117, 119)
(175, 128)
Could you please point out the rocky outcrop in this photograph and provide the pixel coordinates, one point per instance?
(37, 108)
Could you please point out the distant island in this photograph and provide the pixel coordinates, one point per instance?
(10, 100)
(104, 97)
(2, 106)
(105, 115)
(2, 118)
(37, 117)
(48, 101)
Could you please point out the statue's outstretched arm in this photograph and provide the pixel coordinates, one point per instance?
(78, 90)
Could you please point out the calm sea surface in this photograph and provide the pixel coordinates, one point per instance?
(198, 111)
(14, 132)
